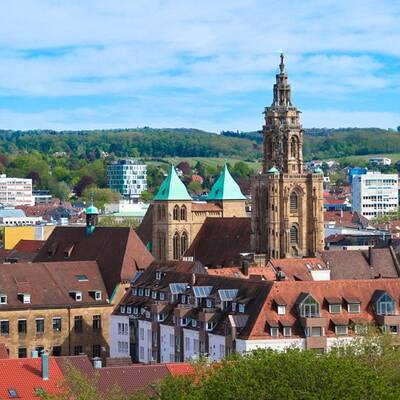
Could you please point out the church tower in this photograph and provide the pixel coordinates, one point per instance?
(287, 204)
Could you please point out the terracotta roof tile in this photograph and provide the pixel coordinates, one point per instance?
(118, 251)
(220, 241)
(24, 376)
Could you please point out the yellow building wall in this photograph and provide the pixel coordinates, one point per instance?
(13, 234)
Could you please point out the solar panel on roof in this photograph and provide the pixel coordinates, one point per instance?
(177, 288)
(228, 294)
(202, 291)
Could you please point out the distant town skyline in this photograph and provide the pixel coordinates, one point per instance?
(206, 65)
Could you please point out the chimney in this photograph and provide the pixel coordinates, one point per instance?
(97, 362)
(45, 366)
(245, 268)
(370, 256)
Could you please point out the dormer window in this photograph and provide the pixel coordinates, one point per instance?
(154, 295)
(147, 292)
(162, 296)
(81, 278)
(183, 321)
(122, 309)
(242, 308)
(309, 307)
(353, 308)
(140, 292)
(147, 314)
(334, 305)
(210, 326)
(233, 306)
(183, 299)
(3, 299)
(209, 303)
(134, 291)
(24, 297)
(159, 275)
(194, 323)
(129, 310)
(281, 309)
(161, 317)
(97, 295)
(135, 310)
(274, 331)
(77, 296)
(385, 305)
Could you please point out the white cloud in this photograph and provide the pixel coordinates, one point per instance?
(216, 49)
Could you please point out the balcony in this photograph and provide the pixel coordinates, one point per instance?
(388, 319)
(309, 322)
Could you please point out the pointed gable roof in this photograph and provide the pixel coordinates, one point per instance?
(172, 188)
(225, 188)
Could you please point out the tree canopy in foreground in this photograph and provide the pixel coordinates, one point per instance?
(368, 368)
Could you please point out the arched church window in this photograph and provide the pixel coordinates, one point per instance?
(161, 245)
(175, 215)
(293, 202)
(183, 213)
(294, 235)
(184, 242)
(176, 246)
(294, 147)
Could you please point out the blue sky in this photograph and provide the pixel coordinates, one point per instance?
(82, 64)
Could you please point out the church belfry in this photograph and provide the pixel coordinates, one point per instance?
(283, 135)
(287, 209)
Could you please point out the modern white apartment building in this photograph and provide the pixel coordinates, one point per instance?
(128, 177)
(375, 194)
(16, 191)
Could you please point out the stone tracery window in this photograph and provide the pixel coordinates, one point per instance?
(175, 214)
(294, 235)
(183, 213)
(294, 203)
(184, 242)
(176, 246)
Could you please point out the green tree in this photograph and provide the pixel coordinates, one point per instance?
(101, 196)
(195, 187)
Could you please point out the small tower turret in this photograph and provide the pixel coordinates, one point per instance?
(92, 216)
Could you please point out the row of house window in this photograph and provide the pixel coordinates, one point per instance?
(22, 325)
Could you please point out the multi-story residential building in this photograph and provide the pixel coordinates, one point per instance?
(375, 194)
(128, 177)
(118, 251)
(62, 308)
(16, 191)
(171, 316)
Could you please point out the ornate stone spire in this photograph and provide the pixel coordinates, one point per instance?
(282, 64)
(282, 90)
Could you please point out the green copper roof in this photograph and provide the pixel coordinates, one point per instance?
(273, 170)
(172, 188)
(225, 188)
(91, 209)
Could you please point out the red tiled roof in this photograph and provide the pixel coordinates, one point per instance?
(205, 207)
(180, 369)
(355, 264)
(29, 246)
(221, 240)
(291, 291)
(50, 284)
(24, 376)
(118, 251)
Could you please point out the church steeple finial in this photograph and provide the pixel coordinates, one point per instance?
(282, 64)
